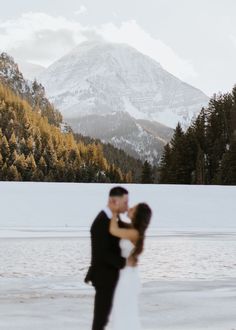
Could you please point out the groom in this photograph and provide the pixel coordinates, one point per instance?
(106, 260)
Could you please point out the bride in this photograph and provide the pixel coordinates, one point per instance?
(125, 314)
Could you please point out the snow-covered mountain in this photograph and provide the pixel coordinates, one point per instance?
(30, 71)
(125, 132)
(101, 78)
(117, 85)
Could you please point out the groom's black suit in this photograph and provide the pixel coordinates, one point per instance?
(106, 262)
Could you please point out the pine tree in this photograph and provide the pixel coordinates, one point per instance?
(165, 165)
(29, 146)
(218, 132)
(12, 174)
(233, 112)
(1, 165)
(30, 167)
(4, 148)
(228, 166)
(200, 167)
(21, 166)
(50, 155)
(42, 165)
(13, 143)
(13, 157)
(179, 162)
(4, 172)
(147, 173)
(129, 177)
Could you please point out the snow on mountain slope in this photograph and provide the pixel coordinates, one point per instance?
(101, 77)
(98, 78)
(30, 70)
(126, 133)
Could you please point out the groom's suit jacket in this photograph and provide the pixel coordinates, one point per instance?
(106, 259)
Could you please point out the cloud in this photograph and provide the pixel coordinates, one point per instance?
(81, 10)
(131, 33)
(41, 38)
(44, 46)
(233, 39)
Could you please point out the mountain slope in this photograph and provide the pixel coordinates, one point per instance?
(30, 70)
(32, 92)
(124, 132)
(34, 147)
(102, 79)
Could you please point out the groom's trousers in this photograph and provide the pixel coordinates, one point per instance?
(102, 306)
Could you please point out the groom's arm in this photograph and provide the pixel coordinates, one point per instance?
(109, 257)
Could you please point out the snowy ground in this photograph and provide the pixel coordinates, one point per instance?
(182, 305)
(188, 268)
(71, 204)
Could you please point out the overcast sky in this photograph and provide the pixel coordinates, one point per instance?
(193, 39)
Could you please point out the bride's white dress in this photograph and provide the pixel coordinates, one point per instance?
(125, 310)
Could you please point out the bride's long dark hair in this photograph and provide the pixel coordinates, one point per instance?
(141, 221)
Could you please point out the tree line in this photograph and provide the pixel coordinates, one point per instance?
(206, 152)
(33, 149)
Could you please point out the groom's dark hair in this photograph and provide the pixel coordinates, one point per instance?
(118, 192)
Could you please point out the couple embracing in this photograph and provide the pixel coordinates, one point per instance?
(116, 246)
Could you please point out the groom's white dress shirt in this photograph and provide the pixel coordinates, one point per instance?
(108, 212)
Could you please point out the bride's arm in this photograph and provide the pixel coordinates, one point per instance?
(130, 234)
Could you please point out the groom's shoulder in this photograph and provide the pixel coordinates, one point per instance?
(101, 216)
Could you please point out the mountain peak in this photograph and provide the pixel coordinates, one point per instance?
(104, 89)
(100, 77)
(112, 48)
